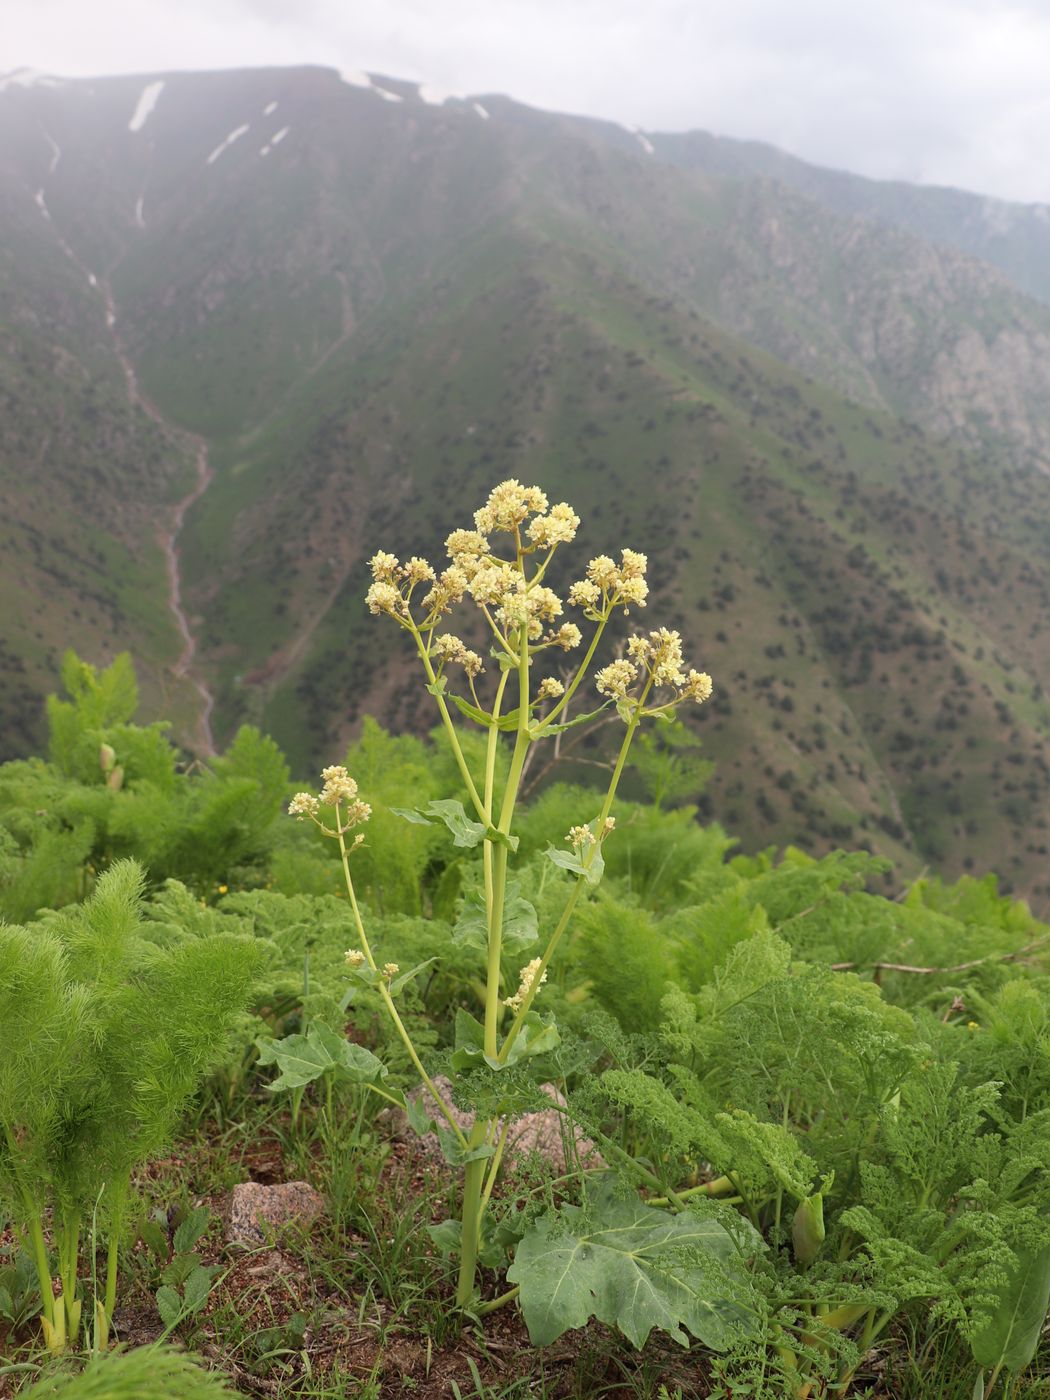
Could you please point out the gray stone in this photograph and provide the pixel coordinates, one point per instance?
(257, 1212)
(547, 1132)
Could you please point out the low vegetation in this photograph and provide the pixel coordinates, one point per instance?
(797, 1129)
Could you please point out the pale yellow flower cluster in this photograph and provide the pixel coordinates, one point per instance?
(448, 648)
(528, 977)
(303, 804)
(559, 526)
(567, 636)
(513, 603)
(616, 679)
(338, 788)
(508, 505)
(658, 658)
(580, 836)
(609, 585)
(355, 957)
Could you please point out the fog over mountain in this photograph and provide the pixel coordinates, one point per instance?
(255, 324)
(937, 92)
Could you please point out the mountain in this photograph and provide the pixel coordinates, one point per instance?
(257, 324)
(1015, 238)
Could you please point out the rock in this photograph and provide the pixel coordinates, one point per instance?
(257, 1212)
(546, 1132)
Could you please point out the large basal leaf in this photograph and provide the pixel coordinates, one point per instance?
(304, 1058)
(520, 928)
(633, 1267)
(1011, 1337)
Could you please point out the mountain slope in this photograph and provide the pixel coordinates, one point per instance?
(1015, 238)
(369, 308)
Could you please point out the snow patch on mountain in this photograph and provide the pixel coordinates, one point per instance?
(226, 143)
(41, 204)
(353, 77)
(269, 109)
(480, 110)
(27, 78)
(140, 218)
(275, 140)
(433, 96)
(56, 153)
(146, 103)
(643, 140)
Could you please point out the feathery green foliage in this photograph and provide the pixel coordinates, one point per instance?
(111, 1023)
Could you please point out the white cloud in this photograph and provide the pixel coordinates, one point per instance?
(947, 91)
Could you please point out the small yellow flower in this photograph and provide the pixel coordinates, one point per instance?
(616, 679)
(390, 971)
(559, 527)
(303, 804)
(416, 570)
(469, 543)
(550, 689)
(697, 687)
(355, 957)
(338, 786)
(384, 567)
(584, 593)
(528, 977)
(567, 636)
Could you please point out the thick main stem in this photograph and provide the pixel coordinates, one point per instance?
(501, 851)
(470, 1236)
(574, 894)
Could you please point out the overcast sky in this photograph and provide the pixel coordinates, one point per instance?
(939, 91)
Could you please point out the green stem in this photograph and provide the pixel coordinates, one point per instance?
(574, 684)
(116, 1225)
(492, 746)
(43, 1268)
(450, 730)
(500, 854)
(69, 1252)
(570, 904)
(493, 1303)
(721, 1186)
(470, 1237)
(36, 1233)
(555, 938)
(388, 1000)
(650, 1178)
(494, 1163)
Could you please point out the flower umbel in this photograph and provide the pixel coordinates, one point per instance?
(339, 789)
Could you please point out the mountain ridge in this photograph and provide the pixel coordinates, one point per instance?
(373, 318)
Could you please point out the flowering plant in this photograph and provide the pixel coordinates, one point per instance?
(501, 566)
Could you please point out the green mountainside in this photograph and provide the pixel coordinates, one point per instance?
(832, 437)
